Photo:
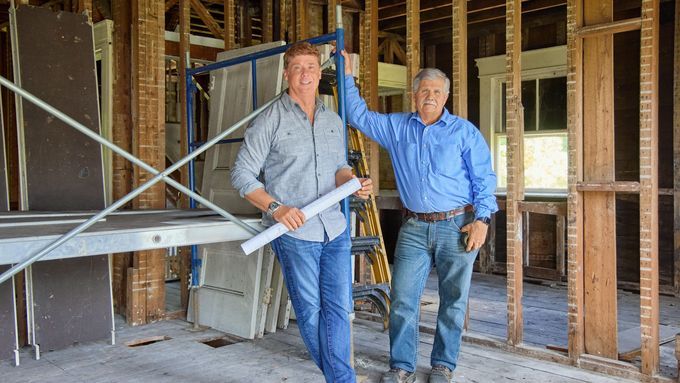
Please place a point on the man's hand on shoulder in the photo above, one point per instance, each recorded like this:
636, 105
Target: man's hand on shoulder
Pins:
291, 217
366, 188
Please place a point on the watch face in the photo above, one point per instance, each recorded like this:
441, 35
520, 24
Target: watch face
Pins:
486, 220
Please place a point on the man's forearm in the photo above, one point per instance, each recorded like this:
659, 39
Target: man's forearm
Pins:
342, 176
260, 199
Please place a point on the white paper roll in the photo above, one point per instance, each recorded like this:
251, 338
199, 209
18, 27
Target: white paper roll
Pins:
314, 208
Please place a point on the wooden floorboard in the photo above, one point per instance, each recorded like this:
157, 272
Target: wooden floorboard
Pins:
281, 356
278, 357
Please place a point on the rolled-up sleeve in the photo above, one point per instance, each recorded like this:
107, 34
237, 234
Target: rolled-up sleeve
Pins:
482, 177
252, 156
373, 124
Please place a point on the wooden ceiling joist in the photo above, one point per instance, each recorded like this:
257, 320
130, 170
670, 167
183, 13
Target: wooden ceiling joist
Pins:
207, 18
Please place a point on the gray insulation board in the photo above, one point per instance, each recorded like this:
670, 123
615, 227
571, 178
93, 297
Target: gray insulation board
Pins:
56, 59
4, 192
64, 171
7, 318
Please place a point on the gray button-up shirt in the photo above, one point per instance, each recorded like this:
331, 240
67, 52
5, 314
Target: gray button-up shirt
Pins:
298, 162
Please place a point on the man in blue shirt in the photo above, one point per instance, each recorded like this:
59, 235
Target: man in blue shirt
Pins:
445, 180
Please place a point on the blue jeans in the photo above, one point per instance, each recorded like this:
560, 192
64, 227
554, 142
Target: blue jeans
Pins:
318, 276
421, 244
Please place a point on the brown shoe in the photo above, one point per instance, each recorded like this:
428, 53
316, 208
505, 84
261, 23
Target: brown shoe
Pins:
440, 374
397, 375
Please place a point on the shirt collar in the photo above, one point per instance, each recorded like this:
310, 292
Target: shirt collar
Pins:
289, 103
445, 119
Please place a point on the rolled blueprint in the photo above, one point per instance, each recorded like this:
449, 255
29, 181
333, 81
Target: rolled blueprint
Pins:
314, 208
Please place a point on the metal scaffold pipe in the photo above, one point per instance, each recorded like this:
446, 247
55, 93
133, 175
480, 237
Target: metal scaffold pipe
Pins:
157, 175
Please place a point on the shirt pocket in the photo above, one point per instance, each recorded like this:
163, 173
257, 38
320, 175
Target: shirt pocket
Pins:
291, 138
334, 140
448, 159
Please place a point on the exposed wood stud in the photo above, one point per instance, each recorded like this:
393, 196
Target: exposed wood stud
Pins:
600, 206
649, 185
121, 136
575, 278
560, 225
459, 53
515, 169
229, 24
267, 21
369, 81
148, 116
676, 152
331, 15
184, 53
412, 49
207, 18
301, 19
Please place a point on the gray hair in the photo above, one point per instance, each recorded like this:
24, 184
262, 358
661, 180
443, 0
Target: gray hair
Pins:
431, 74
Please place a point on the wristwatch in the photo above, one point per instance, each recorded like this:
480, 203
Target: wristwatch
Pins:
273, 207
486, 220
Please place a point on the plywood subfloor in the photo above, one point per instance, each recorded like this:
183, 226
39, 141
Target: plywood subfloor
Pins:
278, 357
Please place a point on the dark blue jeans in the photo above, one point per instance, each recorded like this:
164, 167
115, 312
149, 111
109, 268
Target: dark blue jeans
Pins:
318, 276
421, 244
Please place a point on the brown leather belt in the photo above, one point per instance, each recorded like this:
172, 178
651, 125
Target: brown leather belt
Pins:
439, 216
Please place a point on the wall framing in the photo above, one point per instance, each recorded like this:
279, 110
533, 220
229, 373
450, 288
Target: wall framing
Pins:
515, 163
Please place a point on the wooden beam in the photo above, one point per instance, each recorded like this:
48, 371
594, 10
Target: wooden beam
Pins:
301, 20
515, 171
369, 81
207, 18
400, 10
560, 226
245, 30
331, 4
267, 21
598, 159
229, 25
618, 26
184, 55
148, 118
676, 152
543, 207
649, 186
498, 13
630, 187
121, 135
412, 49
459, 73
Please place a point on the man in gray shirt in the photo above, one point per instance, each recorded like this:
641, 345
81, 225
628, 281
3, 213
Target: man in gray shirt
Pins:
298, 145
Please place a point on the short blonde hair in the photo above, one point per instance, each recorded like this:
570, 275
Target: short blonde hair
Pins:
300, 49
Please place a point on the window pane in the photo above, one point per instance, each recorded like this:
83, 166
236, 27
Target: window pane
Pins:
529, 103
545, 162
553, 100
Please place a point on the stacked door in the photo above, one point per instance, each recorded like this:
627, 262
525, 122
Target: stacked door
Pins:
235, 293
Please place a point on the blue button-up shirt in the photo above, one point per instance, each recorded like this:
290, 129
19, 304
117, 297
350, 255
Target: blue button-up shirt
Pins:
298, 162
439, 167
